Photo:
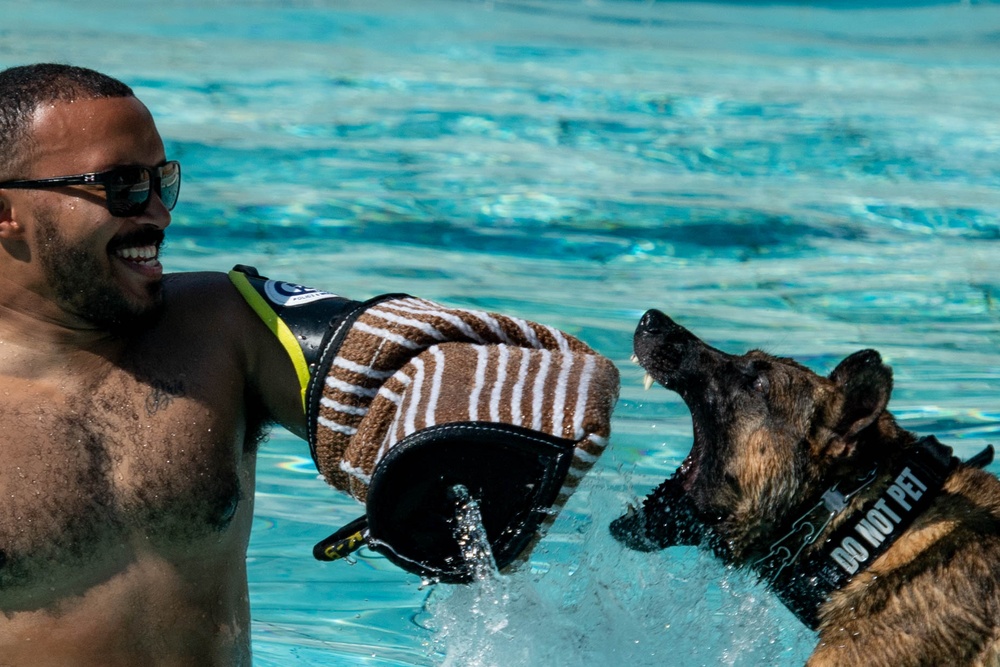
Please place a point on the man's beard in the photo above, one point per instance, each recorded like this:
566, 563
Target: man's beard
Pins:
84, 285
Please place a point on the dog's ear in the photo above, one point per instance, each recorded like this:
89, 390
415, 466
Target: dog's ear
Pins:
866, 384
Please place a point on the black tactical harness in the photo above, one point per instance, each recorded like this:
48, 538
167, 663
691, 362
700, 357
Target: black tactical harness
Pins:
804, 583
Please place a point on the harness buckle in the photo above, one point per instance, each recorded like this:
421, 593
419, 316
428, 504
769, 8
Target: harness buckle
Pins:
834, 500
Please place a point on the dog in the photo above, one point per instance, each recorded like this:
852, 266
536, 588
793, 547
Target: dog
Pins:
881, 541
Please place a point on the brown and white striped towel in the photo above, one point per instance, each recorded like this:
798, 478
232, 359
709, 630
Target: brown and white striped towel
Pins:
407, 364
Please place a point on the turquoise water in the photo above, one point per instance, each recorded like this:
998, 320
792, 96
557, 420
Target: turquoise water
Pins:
800, 178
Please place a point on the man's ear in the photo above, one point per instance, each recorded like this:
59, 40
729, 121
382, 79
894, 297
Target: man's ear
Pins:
866, 384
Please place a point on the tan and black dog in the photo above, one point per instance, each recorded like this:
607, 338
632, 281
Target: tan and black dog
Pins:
883, 542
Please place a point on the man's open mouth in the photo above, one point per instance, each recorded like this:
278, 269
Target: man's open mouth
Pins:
146, 254
139, 249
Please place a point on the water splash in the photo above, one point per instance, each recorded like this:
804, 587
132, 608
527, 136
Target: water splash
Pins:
473, 543
477, 619
582, 599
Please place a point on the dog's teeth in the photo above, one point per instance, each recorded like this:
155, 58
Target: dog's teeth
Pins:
635, 358
647, 381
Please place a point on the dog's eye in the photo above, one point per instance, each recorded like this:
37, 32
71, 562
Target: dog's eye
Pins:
756, 375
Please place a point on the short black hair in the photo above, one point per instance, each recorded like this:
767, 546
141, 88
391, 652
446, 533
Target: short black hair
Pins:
25, 88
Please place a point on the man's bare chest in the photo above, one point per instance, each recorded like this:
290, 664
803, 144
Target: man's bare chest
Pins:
89, 471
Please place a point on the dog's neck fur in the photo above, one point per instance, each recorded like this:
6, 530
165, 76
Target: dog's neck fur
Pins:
851, 523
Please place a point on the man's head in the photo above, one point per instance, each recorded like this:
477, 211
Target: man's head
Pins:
24, 89
63, 243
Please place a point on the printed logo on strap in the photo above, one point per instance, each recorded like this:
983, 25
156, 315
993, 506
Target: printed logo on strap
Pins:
289, 294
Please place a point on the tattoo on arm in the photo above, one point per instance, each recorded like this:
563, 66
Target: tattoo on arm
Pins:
161, 394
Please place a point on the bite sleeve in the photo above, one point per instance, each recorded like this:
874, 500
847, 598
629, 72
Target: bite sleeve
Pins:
406, 400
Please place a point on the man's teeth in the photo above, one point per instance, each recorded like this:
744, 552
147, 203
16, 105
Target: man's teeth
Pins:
137, 253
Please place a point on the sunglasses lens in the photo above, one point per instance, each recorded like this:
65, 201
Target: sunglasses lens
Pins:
129, 188
170, 184
128, 191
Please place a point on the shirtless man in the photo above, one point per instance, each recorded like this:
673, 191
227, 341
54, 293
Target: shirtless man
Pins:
131, 402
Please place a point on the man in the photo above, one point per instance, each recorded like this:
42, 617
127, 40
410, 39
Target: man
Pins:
131, 403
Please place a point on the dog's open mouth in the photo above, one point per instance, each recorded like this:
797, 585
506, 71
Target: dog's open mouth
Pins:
668, 515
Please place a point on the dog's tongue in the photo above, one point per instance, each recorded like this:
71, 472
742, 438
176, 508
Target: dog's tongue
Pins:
667, 518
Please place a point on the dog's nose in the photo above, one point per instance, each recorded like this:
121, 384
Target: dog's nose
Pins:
654, 322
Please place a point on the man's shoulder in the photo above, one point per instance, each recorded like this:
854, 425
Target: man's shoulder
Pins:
203, 316
206, 312
203, 298
205, 283
199, 290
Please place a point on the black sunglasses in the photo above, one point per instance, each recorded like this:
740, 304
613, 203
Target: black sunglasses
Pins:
127, 189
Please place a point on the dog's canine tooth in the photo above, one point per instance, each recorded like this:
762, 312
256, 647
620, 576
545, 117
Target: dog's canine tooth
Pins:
634, 358
647, 381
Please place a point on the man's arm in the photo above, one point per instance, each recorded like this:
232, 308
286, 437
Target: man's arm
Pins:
210, 304
271, 375
407, 400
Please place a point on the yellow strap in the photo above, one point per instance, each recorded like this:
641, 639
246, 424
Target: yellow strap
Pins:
344, 547
277, 327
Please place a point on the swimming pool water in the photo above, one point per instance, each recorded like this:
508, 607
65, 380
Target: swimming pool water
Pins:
807, 179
